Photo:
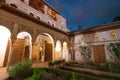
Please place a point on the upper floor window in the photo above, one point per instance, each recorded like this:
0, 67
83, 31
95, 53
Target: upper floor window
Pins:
38, 18
37, 4
13, 5
96, 37
22, 0
53, 24
51, 13
82, 38
49, 22
114, 35
31, 14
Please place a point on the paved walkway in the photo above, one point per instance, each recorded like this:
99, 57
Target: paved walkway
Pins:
93, 71
40, 64
3, 73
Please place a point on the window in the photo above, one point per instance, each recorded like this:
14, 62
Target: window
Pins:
82, 38
13, 5
53, 25
51, 13
22, 0
113, 35
96, 37
38, 18
49, 22
31, 14
37, 4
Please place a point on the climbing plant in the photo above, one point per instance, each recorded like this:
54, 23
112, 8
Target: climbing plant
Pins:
85, 52
114, 49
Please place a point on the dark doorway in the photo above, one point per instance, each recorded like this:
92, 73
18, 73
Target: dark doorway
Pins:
48, 52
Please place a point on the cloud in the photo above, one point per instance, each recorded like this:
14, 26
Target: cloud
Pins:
87, 13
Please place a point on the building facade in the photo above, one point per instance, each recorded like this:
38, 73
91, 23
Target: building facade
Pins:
33, 29
94, 43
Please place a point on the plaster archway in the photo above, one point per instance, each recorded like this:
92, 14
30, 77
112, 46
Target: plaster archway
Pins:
5, 45
43, 48
27, 43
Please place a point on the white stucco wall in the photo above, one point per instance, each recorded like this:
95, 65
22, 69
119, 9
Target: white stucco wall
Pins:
103, 38
60, 23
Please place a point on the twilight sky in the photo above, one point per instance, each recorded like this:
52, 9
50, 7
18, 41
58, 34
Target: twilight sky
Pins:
86, 13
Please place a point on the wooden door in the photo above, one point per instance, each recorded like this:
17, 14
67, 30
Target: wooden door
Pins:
26, 52
48, 52
99, 53
17, 51
7, 54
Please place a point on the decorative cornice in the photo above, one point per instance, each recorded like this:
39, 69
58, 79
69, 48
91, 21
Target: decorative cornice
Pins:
19, 13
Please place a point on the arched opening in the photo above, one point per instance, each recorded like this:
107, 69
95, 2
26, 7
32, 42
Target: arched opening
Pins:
26, 52
4, 46
65, 53
31, 14
38, 18
58, 50
43, 49
22, 47
13, 5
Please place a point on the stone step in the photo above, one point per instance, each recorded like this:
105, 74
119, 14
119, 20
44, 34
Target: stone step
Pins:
40, 64
3, 73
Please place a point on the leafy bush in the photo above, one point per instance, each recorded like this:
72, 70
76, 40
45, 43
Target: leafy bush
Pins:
73, 76
56, 63
21, 70
40, 74
69, 75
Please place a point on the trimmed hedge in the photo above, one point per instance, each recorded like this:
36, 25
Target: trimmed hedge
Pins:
68, 75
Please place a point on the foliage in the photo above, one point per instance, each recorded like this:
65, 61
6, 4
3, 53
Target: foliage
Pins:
85, 52
114, 50
21, 70
40, 74
117, 18
109, 67
73, 76
69, 75
58, 63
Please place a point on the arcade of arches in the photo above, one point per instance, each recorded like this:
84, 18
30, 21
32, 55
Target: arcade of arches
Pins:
44, 48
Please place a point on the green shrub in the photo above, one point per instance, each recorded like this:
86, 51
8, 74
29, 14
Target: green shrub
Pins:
73, 76
20, 70
56, 63
68, 75
41, 74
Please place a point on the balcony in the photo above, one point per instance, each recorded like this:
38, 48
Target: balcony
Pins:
38, 5
52, 13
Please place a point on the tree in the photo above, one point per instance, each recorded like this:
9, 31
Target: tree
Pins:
117, 18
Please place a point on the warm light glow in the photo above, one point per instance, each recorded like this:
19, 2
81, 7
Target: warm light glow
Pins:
28, 40
22, 35
64, 45
58, 50
4, 36
64, 54
58, 46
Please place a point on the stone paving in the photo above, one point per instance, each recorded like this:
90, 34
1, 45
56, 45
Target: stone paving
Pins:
96, 72
3, 73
